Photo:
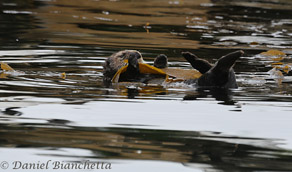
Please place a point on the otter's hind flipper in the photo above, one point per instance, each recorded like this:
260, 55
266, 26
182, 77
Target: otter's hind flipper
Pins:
222, 74
161, 61
225, 63
200, 64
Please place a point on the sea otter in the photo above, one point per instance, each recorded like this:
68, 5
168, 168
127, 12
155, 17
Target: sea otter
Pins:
132, 59
220, 74
118, 60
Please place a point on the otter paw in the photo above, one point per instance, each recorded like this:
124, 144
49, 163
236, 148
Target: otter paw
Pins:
161, 61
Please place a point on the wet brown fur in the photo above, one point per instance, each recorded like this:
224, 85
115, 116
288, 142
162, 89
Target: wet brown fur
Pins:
115, 62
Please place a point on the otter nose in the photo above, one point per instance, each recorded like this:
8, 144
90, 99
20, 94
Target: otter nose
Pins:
138, 55
133, 60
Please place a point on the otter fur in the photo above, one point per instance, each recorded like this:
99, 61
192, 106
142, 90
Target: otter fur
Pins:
117, 60
220, 74
131, 58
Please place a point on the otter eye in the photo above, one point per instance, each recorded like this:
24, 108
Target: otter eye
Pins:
131, 55
123, 56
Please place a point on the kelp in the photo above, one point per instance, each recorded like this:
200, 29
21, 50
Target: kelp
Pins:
170, 74
6, 67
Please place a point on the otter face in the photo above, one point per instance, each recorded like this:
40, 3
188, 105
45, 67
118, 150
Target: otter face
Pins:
118, 60
121, 56
132, 73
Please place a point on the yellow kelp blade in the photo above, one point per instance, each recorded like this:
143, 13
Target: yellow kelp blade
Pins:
6, 67
63, 75
144, 68
286, 69
182, 74
3, 75
171, 74
148, 69
117, 75
273, 53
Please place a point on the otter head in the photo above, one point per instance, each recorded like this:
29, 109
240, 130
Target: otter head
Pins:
122, 57
118, 60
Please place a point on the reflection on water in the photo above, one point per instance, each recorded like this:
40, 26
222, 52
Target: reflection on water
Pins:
215, 150
43, 39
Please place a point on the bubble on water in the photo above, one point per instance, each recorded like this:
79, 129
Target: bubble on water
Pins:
197, 18
103, 18
260, 39
9, 4
206, 35
225, 31
207, 4
17, 12
76, 91
177, 85
197, 27
255, 81
105, 12
219, 17
278, 34
174, 2
281, 22
211, 22
225, 43
11, 73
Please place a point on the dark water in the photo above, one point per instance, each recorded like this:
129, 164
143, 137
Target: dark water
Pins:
162, 128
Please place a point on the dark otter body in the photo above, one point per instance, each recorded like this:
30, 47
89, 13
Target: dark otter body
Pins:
132, 74
220, 74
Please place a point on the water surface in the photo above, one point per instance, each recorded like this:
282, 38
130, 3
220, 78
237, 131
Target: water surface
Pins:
167, 128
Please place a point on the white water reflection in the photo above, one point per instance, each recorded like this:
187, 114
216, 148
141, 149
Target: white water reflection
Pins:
65, 155
257, 39
249, 119
29, 52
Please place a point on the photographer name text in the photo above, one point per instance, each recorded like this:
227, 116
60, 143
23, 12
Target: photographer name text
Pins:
59, 165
